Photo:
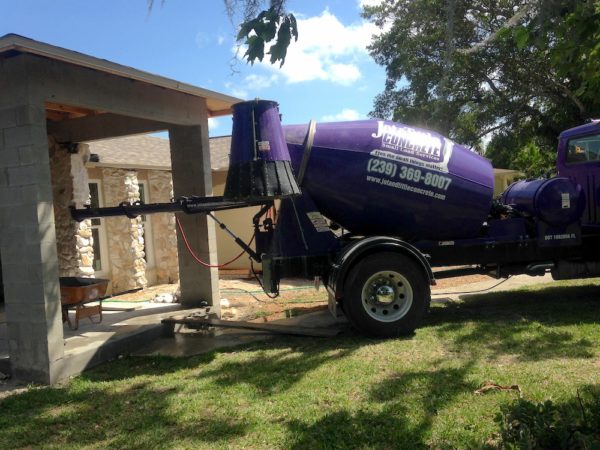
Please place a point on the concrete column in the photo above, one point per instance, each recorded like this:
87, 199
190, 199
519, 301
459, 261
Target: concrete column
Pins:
190, 161
28, 239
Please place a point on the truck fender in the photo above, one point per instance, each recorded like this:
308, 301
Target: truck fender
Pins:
353, 253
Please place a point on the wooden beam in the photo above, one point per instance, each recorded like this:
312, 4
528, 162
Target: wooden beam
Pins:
71, 111
56, 116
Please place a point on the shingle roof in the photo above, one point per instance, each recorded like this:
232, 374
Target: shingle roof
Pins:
150, 152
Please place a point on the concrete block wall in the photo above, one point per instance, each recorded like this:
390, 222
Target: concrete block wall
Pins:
28, 240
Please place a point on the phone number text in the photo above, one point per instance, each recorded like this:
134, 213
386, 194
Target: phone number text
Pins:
402, 172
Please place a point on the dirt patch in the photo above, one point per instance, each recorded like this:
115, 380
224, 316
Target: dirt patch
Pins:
244, 299
451, 283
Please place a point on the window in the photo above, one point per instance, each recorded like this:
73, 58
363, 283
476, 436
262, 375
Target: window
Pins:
585, 149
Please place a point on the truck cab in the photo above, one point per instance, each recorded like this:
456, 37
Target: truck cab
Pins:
578, 158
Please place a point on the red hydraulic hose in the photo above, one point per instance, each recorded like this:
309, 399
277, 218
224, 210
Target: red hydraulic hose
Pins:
198, 260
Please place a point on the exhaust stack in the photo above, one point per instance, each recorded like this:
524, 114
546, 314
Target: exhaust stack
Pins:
259, 165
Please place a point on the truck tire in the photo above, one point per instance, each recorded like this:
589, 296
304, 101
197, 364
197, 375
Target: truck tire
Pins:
386, 295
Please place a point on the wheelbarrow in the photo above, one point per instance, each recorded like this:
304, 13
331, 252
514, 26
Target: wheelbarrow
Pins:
76, 293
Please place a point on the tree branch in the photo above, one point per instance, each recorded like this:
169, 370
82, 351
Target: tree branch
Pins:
493, 86
510, 23
494, 128
571, 96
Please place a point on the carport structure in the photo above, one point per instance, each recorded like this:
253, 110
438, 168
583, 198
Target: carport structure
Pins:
49, 91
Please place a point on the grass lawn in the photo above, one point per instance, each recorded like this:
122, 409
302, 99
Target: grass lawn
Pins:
347, 392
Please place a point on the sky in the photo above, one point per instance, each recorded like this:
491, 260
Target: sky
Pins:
328, 74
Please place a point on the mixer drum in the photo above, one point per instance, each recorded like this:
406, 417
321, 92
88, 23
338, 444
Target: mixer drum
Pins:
384, 178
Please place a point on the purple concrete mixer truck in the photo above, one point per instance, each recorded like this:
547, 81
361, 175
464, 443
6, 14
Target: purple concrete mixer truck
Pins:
370, 206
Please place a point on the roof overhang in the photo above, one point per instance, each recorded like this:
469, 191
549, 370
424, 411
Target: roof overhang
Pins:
218, 104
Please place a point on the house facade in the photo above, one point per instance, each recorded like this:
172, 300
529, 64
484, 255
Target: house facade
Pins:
504, 178
139, 252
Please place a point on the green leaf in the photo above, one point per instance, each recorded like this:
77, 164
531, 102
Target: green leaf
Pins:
278, 51
521, 35
267, 26
293, 26
256, 49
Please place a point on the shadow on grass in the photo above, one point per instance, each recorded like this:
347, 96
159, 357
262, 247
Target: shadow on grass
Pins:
122, 408
389, 428
127, 368
434, 389
397, 424
272, 374
269, 373
530, 325
132, 417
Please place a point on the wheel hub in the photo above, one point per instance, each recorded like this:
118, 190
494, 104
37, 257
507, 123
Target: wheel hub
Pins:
387, 296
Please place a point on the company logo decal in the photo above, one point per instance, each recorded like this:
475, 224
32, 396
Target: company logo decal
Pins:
411, 146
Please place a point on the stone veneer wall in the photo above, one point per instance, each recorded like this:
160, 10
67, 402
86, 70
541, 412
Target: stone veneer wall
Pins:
73, 240
163, 226
126, 240
125, 236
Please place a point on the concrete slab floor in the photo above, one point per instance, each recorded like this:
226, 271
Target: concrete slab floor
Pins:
115, 324
94, 343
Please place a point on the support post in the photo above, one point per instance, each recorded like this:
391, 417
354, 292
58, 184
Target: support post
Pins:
190, 161
28, 238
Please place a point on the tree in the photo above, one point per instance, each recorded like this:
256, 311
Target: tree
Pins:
518, 71
533, 161
260, 27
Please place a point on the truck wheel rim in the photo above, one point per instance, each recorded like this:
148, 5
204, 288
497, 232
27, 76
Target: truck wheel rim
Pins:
387, 296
